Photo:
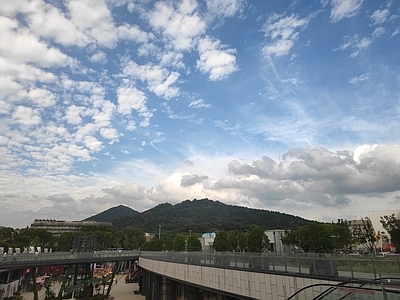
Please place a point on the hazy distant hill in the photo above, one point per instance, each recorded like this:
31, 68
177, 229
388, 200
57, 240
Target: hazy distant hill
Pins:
198, 216
114, 213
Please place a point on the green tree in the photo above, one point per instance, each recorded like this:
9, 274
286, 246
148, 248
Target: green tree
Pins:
221, 242
290, 238
315, 237
180, 242
134, 237
364, 233
22, 241
6, 237
169, 244
392, 225
342, 236
66, 241
257, 239
193, 242
237, 240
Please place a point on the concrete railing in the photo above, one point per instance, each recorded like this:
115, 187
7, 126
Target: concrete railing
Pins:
351, 267
54, 257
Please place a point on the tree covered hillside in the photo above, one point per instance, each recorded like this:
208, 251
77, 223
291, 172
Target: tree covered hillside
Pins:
113, 214
207, 216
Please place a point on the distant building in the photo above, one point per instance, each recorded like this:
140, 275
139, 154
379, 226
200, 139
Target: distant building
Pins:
375, 217
207, 241
275, 240
149, 237
384, 243
56, 228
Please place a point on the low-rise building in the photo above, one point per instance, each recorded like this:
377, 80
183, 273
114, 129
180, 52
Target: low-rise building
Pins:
56, 227
275, 240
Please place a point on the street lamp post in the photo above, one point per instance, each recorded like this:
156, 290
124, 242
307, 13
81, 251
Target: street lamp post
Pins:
159, 232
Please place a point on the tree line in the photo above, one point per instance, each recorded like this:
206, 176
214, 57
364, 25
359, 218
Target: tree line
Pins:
343, 236
315, 237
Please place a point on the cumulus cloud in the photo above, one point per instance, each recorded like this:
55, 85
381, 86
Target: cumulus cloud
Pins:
98, 57
355, 43
179, 24
94, 19
378, 32
199, 104
224, 8
26, 116
159, 80
304, 180
344, 9
282, 32
189, 180
216, 59
13, 46
110, 134
357, 79
130, 98
380, 16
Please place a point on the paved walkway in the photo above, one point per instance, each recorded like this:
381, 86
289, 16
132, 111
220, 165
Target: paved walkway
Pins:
120, 291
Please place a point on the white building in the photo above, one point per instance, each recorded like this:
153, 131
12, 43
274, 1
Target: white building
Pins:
375, 217
275, 240
207, 241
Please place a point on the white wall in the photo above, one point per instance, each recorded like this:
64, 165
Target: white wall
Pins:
375, 217
244, 283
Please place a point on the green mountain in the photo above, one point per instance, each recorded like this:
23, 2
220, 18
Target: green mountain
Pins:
114, 213
202, 216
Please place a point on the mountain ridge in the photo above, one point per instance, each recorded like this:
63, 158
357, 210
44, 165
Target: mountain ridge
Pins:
201, 215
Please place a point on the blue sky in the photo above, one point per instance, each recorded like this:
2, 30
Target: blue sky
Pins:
285, 106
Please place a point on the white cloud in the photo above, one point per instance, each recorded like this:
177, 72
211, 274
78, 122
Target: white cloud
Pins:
42, 97
344, 9
224, 8
130, 98
133, 33
199, 104
19, 46
73, 113
357, 79
98, 57
283, 32
380, 16
216, 59
378, 32
22, 72
355, 43
26, 116
159, 80
172, 59
48, 21
92, 143
94, 19
82, 154
110, 134
179, 25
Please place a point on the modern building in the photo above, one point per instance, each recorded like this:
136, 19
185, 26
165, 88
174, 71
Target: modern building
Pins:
375, 217
149, 237
207, 241
56, 227
384, 242
275, 240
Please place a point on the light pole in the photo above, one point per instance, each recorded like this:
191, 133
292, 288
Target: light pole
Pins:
159, 232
